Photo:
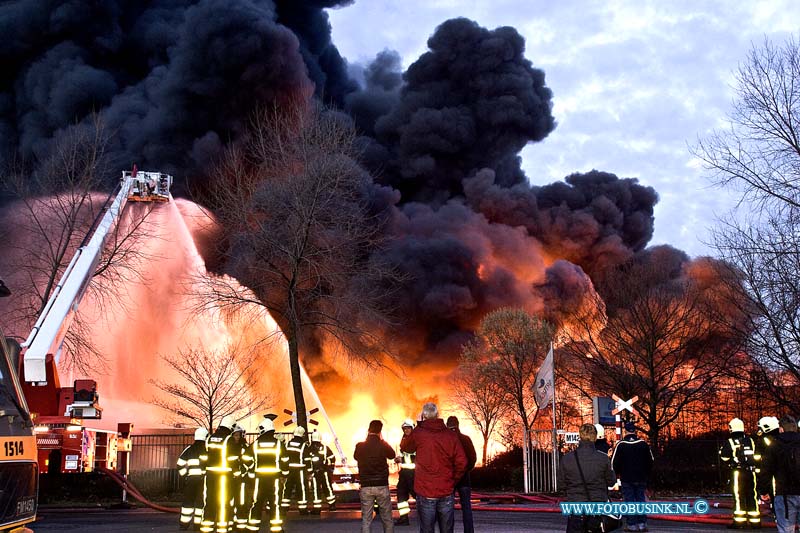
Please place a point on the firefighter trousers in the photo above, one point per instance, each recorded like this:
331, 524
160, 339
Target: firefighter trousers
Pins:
405, 488
296, 486
218, 515
192, 504
323, 489
242, 500
266, 493
745, 499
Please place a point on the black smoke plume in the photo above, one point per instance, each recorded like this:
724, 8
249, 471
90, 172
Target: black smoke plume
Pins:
175, 81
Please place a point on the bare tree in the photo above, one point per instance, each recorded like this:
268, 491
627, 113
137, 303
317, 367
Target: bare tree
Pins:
758, 260
299, 232
759, 154
474, 392
510, 345
57, 206
214, 384
656, 336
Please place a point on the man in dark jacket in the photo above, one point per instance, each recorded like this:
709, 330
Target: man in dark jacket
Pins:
464, 487
632, 462
597, 475
373, 470
441, 462
781, 462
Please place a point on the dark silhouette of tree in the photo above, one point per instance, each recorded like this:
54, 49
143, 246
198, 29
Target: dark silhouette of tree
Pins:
213, 384
510, 345
475, 392
55, 209
659, 332
299, 232
759, 155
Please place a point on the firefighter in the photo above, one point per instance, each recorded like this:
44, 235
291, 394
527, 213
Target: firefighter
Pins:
267, 451
191, 467
405, 480
322, 461
218, 514
296, 467
241, 462
768, 429
738, 453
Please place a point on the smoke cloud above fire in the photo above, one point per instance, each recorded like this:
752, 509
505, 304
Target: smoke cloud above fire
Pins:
175, 81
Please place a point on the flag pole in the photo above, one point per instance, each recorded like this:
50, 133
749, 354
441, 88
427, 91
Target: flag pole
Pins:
555, 429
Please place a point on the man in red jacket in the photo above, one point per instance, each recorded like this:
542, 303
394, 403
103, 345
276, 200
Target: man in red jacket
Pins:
441, 462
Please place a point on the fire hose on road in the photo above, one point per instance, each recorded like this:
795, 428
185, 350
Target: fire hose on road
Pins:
529, 498
131, 489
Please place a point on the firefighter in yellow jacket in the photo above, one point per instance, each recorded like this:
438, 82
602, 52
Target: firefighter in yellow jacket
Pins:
241, 463
768, 429
739, 454
323, 462
405, 480
191, 467
218, 514
267, 451
296, 467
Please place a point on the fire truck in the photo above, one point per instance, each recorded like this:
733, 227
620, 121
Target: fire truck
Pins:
41, 423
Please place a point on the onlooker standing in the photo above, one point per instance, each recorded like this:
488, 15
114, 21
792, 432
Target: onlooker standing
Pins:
464, 487
373, 470
441, 462
782, 462
632, 462
585, 473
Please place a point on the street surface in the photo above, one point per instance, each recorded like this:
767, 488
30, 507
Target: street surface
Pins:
147, 520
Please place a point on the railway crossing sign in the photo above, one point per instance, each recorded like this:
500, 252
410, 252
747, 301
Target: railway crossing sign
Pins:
293, 419
623, 405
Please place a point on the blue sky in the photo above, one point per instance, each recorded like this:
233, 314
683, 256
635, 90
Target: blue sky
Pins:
635, 83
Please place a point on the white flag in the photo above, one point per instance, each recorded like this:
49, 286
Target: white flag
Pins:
543, 387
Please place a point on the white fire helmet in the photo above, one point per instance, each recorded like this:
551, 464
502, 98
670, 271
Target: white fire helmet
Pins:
767, 424
408, 423
736, 425
299, 431
601, 431
316, 437
266, 425
238, 429
200, 434
227, 422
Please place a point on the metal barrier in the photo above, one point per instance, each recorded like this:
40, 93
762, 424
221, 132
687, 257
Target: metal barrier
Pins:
540, 459
153, 461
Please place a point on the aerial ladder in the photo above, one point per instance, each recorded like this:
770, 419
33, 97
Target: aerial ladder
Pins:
40, 351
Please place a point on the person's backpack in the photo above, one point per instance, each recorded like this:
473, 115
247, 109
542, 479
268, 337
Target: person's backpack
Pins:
791, 459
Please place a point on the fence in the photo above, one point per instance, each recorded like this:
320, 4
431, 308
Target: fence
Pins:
540, 459
153, 461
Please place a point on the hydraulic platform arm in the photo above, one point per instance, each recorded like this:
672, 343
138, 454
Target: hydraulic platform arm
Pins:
50, 329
